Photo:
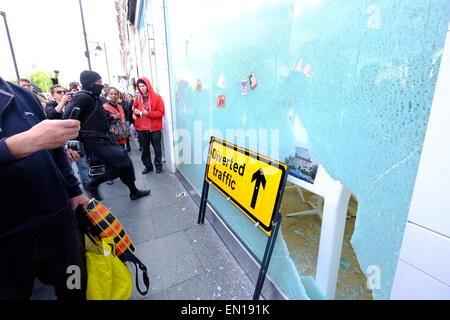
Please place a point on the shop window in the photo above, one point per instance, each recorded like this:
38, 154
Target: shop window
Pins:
351, 283
301, 226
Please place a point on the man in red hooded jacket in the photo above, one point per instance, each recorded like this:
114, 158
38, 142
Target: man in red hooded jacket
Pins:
148, 110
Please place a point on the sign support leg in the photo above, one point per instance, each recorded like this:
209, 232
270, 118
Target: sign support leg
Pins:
266, 260
203, 202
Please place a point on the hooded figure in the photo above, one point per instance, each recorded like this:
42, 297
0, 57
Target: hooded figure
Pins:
89, 80
148, 111
96, 139
149, 101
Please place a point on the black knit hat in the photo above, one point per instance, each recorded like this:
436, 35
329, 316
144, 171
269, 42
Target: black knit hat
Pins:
88, 78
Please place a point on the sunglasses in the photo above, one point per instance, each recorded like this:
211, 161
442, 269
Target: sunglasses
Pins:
60, 92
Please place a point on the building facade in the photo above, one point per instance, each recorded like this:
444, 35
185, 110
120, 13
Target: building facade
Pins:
363, 84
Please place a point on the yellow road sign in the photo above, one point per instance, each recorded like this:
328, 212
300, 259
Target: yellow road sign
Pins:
251, 181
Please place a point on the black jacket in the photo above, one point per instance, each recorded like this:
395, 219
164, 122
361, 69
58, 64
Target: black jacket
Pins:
50, 110
128, 109
35, 190
93, 120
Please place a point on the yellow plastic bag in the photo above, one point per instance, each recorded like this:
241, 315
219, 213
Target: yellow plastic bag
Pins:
108, 278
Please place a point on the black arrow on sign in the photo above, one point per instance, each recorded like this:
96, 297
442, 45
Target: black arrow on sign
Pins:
259, 177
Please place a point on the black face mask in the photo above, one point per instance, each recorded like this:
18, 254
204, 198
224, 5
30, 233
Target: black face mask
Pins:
97, 89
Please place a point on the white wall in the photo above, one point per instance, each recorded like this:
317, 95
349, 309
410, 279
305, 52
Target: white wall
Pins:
162, 74
155, 68
423, 270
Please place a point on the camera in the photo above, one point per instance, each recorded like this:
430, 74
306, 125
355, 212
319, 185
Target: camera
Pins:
76, 146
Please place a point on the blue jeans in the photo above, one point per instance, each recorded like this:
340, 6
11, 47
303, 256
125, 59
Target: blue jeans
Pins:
83, 170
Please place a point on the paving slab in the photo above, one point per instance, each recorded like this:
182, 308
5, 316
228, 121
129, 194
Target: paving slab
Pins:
121, 205
139, 227
208, 286
174, 217
170, 260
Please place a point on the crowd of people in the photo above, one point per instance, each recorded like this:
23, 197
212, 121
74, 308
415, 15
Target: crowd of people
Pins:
142, 112
38, 189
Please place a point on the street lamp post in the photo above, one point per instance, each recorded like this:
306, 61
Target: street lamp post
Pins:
10, 45
107, 64
98, 48
86, 53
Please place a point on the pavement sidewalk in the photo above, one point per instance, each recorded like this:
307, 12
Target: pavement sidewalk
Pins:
185, 261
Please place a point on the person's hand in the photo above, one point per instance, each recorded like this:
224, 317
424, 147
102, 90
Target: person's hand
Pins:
73, 155
82, 199
47, 134
136, 111
66, 99
116, 116
144, 112
51, 134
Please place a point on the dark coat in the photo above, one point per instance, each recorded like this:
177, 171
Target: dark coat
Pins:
93, 120
128, 108
50, 110
35, 190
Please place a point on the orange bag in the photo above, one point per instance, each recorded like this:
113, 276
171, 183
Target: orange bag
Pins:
103, 224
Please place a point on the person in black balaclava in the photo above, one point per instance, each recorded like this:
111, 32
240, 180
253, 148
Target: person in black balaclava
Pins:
97, 142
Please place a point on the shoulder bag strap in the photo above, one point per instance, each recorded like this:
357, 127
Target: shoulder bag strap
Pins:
96, 108
128, 256
91, 114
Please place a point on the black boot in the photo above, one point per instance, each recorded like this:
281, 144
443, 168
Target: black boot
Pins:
139, 194
147, 170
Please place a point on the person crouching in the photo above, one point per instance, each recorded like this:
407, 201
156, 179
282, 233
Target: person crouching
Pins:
98, 143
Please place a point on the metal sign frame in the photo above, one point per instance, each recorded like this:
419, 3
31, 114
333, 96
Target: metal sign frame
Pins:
276, 164
276, 215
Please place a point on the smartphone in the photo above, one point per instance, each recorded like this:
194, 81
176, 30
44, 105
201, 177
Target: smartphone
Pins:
75, 113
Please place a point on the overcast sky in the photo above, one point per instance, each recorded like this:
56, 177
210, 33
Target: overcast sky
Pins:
48, 35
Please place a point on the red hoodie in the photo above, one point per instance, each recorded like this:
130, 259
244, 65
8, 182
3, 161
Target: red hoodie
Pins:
154, 106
